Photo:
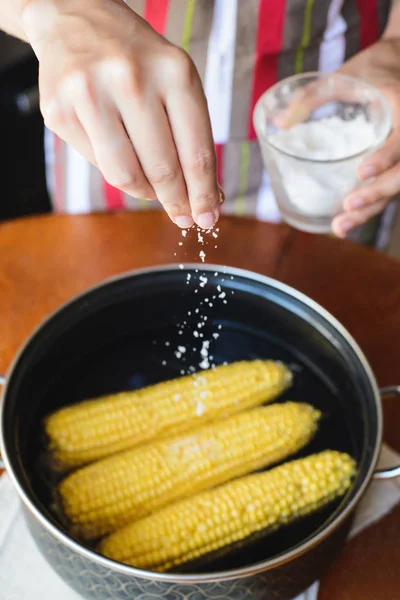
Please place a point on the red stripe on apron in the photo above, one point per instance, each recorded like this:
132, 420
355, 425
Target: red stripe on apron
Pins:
155, 13
59, 174
369, 22
114, 197
271, 18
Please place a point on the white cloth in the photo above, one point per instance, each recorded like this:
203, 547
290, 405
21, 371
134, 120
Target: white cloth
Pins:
25, 575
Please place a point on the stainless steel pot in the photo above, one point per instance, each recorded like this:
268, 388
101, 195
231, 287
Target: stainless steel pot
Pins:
113, 337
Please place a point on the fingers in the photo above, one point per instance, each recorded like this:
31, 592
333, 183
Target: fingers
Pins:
381, 160
385, 186
152, 138
342, 224
366, 202
147, 128
190, 124
60, 117
111, 145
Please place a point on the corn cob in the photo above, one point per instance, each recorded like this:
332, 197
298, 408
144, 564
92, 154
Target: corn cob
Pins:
110, 493
226, 515
96, 428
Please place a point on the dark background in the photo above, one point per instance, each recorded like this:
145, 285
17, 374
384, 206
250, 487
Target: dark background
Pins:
22, 173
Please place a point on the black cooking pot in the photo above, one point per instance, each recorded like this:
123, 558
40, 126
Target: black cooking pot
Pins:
114, 337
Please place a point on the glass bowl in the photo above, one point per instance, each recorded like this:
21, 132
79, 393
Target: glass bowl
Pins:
314, 130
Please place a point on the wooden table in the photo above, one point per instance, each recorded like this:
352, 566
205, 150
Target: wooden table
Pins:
44, 261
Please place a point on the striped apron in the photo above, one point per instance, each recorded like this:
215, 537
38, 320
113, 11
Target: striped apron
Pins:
240, 48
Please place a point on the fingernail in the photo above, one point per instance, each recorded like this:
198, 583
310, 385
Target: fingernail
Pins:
346, 225
356, 203
184, 221
221, 196
207, 220
367, 172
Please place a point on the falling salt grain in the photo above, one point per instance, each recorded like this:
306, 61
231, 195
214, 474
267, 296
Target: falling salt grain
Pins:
222, 295
184, 232
182, 349
215, 336
204, 349
203, 280
215, 234
196, 333
202, 255
164, 362
167, 343
219, 288
181, 266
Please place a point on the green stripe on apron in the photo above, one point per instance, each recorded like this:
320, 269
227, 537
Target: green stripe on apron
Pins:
243, 179
187, 28
305, 38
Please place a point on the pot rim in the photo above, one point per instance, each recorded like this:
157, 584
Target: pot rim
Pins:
221, 575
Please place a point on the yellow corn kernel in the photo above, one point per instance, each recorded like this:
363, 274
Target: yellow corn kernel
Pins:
111, 492
96, 428
213, 520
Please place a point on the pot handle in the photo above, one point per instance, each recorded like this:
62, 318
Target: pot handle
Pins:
390, 472
2, 382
